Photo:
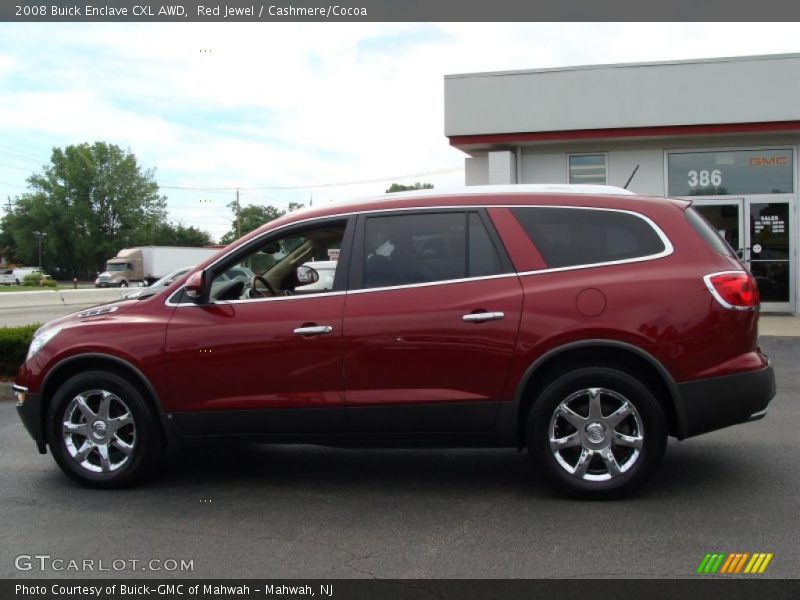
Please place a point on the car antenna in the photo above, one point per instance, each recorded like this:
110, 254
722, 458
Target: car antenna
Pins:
631, 177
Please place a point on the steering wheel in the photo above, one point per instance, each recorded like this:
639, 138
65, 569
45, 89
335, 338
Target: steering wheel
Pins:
262, 279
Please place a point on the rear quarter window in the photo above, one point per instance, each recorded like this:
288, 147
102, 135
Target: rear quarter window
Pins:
706, 231
568, 237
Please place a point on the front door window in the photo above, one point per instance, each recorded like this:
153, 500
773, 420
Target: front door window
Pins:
271, 268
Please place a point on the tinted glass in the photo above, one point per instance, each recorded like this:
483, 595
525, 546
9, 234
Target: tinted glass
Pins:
726, 222
483, 258
406, 249
770, 251
567, 237
587, 168
730, 172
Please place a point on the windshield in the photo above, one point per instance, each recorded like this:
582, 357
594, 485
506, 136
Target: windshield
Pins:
116, 266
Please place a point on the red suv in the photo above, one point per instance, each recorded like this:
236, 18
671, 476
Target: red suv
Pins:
585, 323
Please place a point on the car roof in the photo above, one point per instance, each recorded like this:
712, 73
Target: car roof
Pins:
576, 195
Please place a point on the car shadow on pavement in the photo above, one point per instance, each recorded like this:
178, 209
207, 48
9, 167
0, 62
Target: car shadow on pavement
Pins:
687, 468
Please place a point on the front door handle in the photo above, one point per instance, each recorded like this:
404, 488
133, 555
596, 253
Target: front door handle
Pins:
313, 330
483, 316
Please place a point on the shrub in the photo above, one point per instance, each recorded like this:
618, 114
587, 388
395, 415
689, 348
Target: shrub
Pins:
36, 280
14, 342
32, 279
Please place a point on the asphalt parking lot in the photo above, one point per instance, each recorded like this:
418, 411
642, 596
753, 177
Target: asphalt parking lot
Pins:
308, 512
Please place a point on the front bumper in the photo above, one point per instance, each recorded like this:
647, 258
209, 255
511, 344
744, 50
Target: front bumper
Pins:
30, 411
709, 404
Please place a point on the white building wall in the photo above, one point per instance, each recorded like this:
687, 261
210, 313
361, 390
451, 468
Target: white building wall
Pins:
502, 168
544, 168
476, 170
649, 179
694, 92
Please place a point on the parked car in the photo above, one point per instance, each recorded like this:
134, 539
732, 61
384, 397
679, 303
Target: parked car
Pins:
21, 272
157, 286
583, 323
7, 277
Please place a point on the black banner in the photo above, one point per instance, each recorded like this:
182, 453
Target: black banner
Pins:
398, 10
404, 589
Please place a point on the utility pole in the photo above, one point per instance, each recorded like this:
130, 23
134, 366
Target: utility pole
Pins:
238, 216
40, 235
9, 205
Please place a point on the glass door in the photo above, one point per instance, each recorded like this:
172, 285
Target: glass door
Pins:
727, 217
769, 252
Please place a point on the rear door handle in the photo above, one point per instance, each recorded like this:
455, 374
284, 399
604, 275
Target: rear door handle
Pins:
483, 316
313, 330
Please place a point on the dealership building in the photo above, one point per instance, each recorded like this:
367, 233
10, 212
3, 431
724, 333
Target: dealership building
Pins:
721, 132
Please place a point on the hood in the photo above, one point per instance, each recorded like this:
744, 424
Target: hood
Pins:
109, 310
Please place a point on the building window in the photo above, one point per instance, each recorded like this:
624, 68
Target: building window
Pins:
587, 168
722, 173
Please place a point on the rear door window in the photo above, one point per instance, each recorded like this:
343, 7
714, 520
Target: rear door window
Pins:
568, 237
427, 247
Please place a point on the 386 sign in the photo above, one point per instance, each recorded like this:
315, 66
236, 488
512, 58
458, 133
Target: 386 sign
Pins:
704, 178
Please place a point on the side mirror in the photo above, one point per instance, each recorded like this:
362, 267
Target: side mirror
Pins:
195, 285
306, 275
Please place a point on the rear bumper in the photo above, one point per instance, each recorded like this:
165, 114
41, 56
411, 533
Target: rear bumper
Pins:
31, 415
709, 404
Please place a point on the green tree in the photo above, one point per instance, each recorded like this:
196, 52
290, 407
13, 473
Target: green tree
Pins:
172, 234
91, 200
251, 218
399, 187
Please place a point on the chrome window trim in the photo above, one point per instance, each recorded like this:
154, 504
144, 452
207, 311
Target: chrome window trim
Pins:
431, 283
668, 250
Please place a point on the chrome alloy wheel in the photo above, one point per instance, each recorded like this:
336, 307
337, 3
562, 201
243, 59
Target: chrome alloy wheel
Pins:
596, 434
98, 431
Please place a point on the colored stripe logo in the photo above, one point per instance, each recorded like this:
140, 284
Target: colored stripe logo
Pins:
735, 563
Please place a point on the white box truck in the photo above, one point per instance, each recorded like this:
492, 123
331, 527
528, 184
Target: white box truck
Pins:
149, 263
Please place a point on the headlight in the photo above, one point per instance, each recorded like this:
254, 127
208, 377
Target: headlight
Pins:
40, 339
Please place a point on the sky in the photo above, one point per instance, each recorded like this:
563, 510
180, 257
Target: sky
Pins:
291, 112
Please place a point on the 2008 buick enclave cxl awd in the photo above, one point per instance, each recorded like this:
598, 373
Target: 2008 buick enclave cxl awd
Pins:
582, 322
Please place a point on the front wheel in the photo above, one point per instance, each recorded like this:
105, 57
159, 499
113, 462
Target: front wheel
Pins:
101, 431
597, 433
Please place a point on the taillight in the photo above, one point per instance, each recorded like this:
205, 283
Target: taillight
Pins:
736, 290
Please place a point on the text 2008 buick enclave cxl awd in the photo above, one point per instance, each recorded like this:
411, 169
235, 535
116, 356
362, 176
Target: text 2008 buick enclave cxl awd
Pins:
584, 323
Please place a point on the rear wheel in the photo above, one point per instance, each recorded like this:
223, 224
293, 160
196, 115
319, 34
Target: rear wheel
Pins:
101, 431
597, 432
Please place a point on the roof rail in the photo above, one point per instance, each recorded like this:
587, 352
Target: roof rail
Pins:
517, 188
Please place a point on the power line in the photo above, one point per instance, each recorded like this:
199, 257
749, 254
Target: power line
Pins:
23, 153
308, 187
27, 170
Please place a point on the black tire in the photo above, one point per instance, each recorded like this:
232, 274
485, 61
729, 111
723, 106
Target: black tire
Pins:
124, 284
144, 432
647, 421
